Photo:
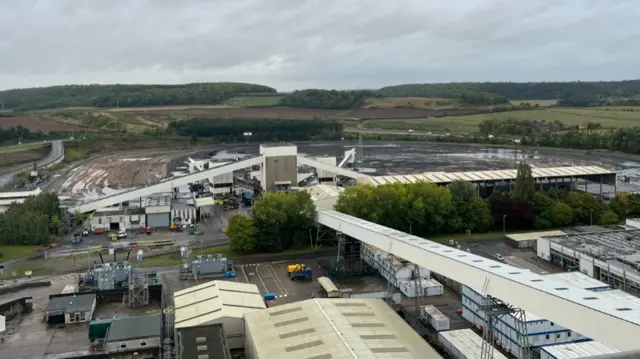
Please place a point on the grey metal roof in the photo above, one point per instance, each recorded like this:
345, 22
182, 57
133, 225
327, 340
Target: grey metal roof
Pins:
72, 303
130, 328
207, 339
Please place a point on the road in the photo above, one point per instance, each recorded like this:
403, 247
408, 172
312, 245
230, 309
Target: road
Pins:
57, 151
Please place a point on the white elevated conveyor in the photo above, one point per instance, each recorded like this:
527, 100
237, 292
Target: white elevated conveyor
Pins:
306, 161
609, 321
165, 186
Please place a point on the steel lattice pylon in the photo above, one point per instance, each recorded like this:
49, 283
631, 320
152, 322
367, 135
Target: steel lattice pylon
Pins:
495, 309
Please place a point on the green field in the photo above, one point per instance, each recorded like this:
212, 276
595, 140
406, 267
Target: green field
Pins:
254, 101
608, 117
22, 147
13, 252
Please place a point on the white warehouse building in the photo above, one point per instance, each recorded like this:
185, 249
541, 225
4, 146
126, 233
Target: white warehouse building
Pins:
338, 328
609, 256
217, 302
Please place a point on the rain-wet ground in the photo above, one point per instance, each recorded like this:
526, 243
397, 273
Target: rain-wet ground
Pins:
389, 158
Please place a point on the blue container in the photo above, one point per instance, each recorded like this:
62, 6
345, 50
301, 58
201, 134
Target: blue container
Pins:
269, 296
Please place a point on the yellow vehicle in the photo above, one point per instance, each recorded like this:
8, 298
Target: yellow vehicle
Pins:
295, 268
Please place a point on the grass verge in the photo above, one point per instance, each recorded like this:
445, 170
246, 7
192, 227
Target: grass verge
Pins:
174, 258
23, 147
13, 252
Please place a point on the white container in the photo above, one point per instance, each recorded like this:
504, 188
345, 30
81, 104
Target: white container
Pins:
575, 350
464, 344
433, 287
433, 316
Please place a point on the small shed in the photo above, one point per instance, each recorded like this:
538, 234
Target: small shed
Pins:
71, 309
529, 239
135, 334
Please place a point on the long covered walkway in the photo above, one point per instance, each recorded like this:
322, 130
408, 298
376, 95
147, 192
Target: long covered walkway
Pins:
612, 322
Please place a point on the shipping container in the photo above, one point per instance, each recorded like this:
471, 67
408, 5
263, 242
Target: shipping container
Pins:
434, 317
575, 350
464, 344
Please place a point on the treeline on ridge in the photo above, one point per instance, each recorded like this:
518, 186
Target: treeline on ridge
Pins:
326, 99
126, 95
518, 90
233, 130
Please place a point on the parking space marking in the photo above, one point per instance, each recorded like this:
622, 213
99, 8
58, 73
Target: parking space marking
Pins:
261, 280
279, 283
245, 274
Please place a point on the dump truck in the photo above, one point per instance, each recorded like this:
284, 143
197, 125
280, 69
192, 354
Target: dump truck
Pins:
294, 267
301, 272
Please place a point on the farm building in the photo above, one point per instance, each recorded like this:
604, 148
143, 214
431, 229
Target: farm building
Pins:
332, 328
71, 309
217, 302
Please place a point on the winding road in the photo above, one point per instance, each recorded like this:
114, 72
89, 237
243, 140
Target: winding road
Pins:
57, 151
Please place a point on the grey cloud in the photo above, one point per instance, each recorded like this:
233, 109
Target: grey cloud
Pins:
311, 43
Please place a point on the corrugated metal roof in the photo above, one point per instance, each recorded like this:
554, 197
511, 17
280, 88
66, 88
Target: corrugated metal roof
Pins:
20, 194
578, 350
579, 279
468, 343
209, 301
473, 176
72, 303
335, 328
135, 328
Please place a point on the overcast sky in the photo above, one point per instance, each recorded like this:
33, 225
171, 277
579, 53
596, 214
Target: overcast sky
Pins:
295, 44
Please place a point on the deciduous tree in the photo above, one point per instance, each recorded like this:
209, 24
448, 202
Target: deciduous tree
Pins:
242, 234
525, 185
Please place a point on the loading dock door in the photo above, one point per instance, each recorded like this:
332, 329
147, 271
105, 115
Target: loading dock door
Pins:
158, 220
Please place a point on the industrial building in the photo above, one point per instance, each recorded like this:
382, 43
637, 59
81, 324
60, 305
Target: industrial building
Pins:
549, 298
216, 302
529, 240
464, 344
327, 177
115, 219
609, 256
574, 177
332, 328
141, 335
157, 209
7, 198
510, 327
576, 350
70, 309
279, 168
540, 332
206, 341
